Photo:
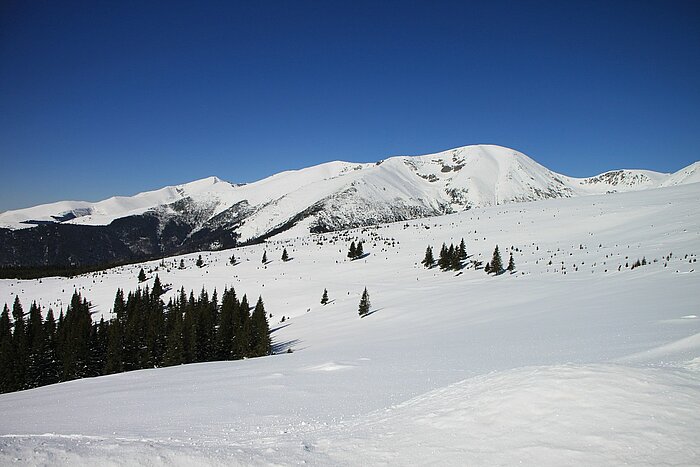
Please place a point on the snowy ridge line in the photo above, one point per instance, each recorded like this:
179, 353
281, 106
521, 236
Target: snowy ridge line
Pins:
416, 186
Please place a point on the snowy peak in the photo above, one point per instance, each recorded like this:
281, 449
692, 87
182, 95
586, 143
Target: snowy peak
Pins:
211, 213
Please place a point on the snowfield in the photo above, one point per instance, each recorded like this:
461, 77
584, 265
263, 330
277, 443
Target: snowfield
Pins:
575, 359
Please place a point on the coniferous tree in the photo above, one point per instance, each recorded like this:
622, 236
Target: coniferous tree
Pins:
487, 267
19, 344
444, 260
157, 290
224, 333
352, 252
359, 250
496, 262
428, 260
35, 346
511, 263
455, 262
200, 261
241, 329
49, 371
232, 260
182, 263
260, 343
264, 257
142, 275
285, 256
324, 298
462, 251
364, 303
7, 360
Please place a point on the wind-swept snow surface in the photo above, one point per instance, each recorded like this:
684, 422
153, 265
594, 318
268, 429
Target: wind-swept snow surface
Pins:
574, 359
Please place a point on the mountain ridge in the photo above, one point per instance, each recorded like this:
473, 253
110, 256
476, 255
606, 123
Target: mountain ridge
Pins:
211, 213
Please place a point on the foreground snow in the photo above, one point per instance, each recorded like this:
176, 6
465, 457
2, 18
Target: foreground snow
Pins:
592, 367
547, 415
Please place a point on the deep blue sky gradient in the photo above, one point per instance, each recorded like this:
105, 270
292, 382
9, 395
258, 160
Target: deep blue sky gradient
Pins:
99, 98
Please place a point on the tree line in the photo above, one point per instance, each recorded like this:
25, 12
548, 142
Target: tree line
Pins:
144, 333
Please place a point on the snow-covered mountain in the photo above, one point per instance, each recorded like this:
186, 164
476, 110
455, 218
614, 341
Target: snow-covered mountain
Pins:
211, 213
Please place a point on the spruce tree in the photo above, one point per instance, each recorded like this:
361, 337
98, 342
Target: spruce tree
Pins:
496, 262
487, 267
324, 298
364, 303
7, 360
260, 343
352, 252
142, 276
444, 260
359, 250
428, 260
200, 261
511, 263
462, 251
232, 260
285, 256
19, 343
264, 257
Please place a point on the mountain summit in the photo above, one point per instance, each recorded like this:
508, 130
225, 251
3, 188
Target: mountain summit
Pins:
213, 214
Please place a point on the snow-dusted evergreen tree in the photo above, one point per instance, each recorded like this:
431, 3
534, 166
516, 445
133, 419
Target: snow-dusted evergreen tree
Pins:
444, 259
511, 263
496, 262
285, 256
352, 252
199, 262
462, 251
324, 298
142, 275
364, 303
260, 343
359, 251
428, 260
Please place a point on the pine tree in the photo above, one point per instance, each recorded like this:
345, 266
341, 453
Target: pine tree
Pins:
462, 251
19, 343
444, 260
429, 260
496, 262
359, 251
200, 261
157, 288
142, 276
511, 263
260, 343
487, 267
241, 329
224, 333
35, 346
455, 262
264, 258
285, 256
364, 303
182, 263
324, 298
7, 360
232, 260
352, 252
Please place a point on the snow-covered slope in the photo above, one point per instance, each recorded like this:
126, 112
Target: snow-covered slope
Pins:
576, 359
339, 195
211, 214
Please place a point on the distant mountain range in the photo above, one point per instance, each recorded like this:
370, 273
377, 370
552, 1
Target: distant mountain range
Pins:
214, 214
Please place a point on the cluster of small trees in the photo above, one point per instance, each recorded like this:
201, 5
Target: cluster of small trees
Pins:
144, 333
355, 251
451, 258
496, 264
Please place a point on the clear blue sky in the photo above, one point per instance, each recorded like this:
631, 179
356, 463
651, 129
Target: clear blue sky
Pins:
101, 98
